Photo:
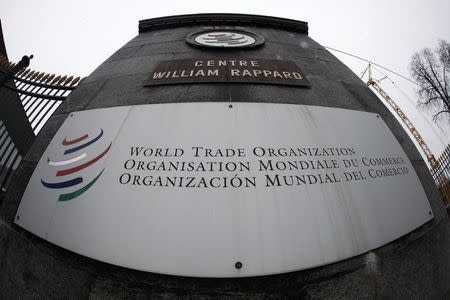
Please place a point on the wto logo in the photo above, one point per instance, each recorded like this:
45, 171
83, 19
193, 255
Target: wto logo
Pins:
74, 165
225, 37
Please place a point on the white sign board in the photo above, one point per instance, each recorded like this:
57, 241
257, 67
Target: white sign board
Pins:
221, 190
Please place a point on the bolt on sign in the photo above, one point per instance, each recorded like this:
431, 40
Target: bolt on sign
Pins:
266, 71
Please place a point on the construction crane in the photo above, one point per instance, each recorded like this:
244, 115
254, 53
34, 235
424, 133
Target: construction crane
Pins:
372, 82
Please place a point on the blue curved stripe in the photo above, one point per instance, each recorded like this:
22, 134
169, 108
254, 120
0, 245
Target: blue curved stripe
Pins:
71, 150
61, 185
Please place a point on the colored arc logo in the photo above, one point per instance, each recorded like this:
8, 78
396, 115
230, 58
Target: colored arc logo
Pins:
76, 145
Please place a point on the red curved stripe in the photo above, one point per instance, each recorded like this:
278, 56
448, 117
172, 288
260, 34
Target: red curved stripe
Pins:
82, 166
65, 142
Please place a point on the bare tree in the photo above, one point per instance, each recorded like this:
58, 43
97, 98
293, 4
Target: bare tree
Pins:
432, 72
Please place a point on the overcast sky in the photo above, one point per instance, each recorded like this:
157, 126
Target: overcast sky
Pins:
74, 37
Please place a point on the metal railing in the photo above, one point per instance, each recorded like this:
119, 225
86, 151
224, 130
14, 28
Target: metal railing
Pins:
10, 157
441, 174
40, 94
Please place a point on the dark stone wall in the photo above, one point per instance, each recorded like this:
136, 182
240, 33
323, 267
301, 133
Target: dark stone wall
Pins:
414, 266
2, 42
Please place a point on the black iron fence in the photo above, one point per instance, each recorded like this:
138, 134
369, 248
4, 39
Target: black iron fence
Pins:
41, 94
441, 174
9, 156
29, 97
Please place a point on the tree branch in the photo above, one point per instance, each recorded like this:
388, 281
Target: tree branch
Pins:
442, 111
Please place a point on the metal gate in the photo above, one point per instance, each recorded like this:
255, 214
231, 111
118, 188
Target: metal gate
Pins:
441, 174
28, 99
